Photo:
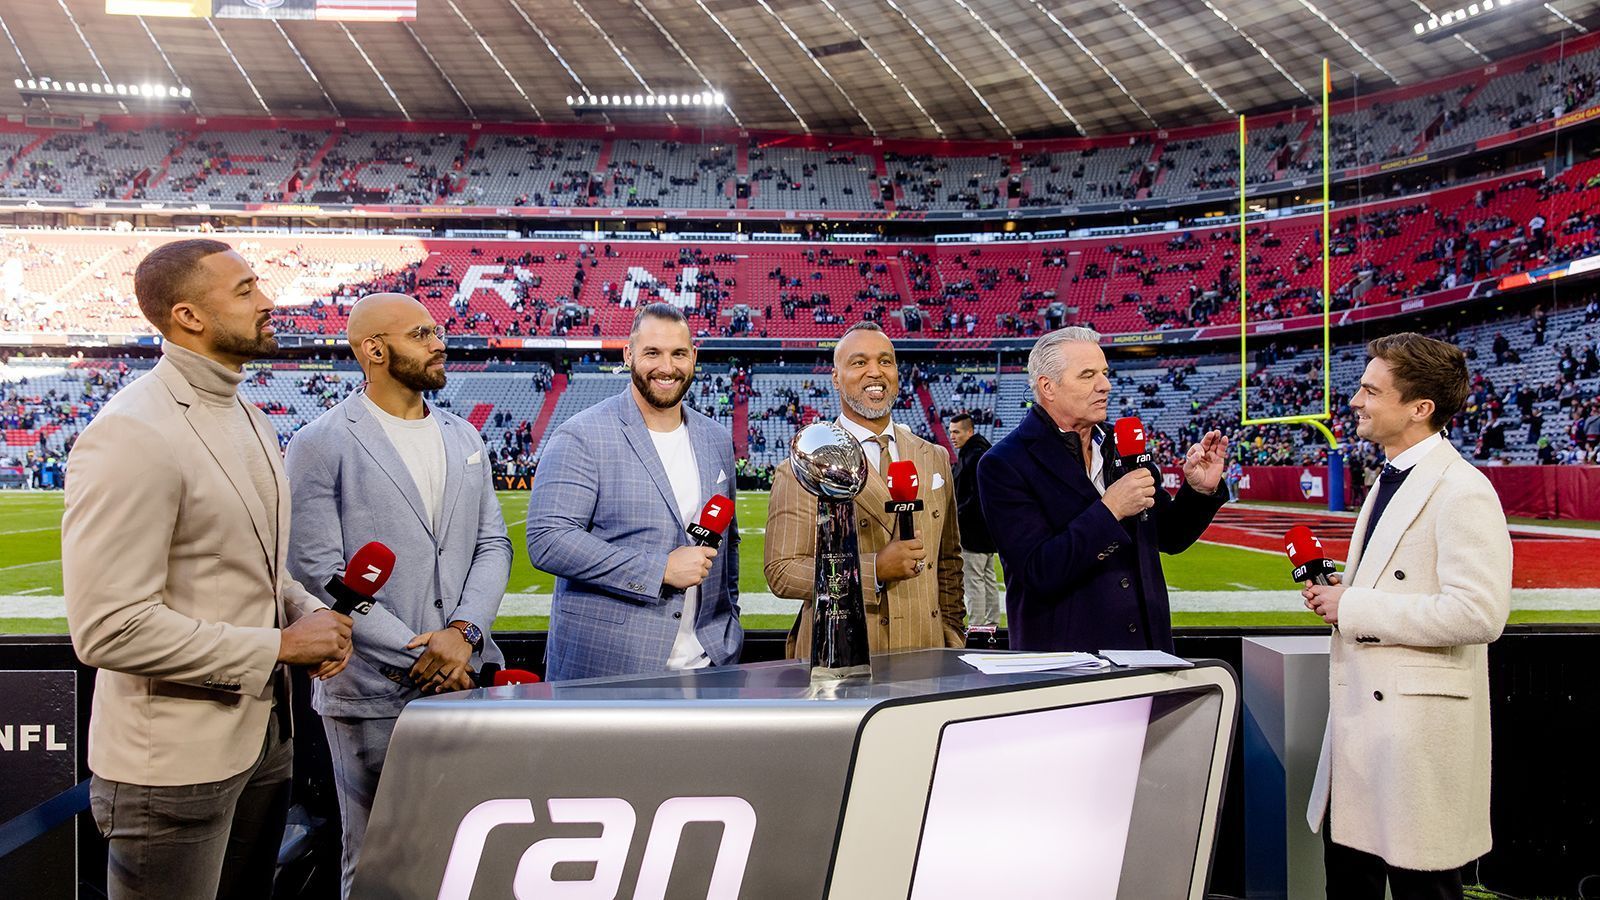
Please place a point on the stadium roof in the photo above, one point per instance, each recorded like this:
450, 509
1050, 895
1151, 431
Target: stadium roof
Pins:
901, 68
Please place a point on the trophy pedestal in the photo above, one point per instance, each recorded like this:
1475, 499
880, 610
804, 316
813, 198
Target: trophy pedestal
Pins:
838, 619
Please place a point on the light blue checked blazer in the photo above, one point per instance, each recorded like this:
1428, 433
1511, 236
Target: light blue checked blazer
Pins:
602, 519
349, 487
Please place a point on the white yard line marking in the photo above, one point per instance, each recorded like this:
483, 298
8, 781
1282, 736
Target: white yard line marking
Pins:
42, 562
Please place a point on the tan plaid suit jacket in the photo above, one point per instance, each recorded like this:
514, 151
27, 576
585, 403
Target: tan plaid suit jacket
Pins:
921, 612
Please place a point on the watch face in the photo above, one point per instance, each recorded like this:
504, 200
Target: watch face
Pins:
473, 633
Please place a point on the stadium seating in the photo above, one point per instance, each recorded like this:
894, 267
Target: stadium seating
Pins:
783, 177
457, 165
1385, 251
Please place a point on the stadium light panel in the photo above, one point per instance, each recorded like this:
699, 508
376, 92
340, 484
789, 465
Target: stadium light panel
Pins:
19, 83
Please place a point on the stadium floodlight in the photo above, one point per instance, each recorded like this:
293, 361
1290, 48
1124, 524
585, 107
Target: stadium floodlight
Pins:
33, 85
638, 99
187, 93
672, 99
19, 83
122, 90
719, 98
627, 99
94, 88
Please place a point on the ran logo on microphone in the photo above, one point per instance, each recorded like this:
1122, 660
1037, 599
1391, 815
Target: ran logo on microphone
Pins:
608, 852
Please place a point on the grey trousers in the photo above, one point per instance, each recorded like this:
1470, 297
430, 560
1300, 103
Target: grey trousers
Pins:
981, 589
358, 748
197, 841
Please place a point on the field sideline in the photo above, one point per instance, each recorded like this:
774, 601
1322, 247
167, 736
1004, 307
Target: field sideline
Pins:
1232, 582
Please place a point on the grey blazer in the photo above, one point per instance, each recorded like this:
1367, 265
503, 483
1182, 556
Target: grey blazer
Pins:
602, 519
349, 487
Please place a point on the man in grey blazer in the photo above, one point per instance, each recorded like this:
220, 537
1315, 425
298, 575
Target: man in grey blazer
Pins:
1402, 789
616, 487
386, 465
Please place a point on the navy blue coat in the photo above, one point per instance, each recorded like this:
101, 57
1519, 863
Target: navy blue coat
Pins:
1076, 578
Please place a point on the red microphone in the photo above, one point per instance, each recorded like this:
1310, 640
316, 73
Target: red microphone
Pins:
514, 676
1311, 563
714, 519
903, 484
367, 572
1130, 443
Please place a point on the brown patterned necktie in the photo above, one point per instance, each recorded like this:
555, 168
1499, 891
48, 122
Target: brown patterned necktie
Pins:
883, 453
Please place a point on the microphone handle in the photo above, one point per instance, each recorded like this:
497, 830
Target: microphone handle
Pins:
908, 528
704, 537
346, 599
1130, 463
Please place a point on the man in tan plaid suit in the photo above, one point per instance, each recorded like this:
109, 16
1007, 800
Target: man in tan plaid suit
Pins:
912, 589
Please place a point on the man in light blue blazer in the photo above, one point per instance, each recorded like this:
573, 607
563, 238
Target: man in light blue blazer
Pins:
386, 465
616, 487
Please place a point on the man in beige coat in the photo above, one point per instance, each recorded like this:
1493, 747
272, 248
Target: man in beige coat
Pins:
173, 554
912, 602
1402, 789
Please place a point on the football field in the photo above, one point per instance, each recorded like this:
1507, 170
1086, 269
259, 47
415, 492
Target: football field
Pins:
1237, 576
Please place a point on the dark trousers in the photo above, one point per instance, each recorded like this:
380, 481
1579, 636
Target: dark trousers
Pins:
197, 841
1358, 875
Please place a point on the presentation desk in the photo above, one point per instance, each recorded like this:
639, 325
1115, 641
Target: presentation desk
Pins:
928, 781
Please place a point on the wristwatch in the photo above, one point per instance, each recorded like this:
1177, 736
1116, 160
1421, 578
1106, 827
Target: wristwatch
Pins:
471, 632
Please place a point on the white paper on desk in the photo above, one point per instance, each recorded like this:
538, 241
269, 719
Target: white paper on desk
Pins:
1011, 663
1146, 659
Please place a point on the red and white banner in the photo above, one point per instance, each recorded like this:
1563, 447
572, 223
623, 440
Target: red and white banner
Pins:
367, 10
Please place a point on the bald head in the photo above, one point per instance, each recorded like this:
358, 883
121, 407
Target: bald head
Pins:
394, 338
383, 314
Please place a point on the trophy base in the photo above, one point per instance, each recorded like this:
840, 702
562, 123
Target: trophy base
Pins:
840, 673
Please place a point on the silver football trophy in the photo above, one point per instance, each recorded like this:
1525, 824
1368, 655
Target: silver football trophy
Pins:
829, 464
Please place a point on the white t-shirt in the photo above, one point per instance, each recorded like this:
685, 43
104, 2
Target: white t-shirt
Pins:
677, 458
421, 447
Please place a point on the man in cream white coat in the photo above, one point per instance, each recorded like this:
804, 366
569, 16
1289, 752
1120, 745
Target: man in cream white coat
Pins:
1402, 788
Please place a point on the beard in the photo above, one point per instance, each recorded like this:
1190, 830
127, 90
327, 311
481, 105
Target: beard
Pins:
415, 374
247, 346
660, 399
864, 408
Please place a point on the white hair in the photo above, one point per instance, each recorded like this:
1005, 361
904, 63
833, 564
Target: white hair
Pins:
1046, 359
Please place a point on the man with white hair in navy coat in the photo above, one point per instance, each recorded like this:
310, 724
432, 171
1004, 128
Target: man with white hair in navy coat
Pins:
1082, 565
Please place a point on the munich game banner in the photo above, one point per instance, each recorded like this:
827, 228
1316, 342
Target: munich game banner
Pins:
321, 10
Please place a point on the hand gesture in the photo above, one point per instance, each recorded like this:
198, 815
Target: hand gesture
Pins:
1205, 462
445, 657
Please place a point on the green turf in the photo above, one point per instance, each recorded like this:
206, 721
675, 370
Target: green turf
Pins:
30, 553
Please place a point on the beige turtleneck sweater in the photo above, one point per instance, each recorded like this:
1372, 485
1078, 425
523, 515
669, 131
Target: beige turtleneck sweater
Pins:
218, 389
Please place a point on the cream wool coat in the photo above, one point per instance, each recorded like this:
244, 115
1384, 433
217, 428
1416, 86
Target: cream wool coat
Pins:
1407, 775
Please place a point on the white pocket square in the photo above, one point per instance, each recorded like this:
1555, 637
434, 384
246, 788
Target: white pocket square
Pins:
721, 476
938, 482
475, 458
